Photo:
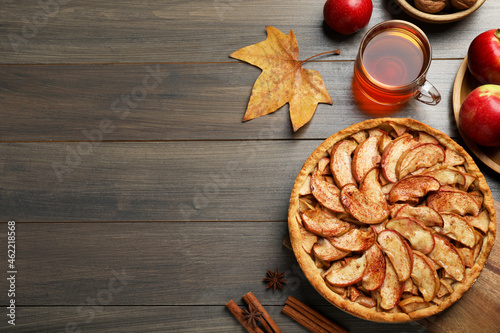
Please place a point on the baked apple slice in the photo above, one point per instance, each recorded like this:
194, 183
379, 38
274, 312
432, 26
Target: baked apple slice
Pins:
317, 222
391, 289
452, 158
308, 240
305, 189
359, 136
392, 153
326, 193
341, 162
419, 236
398, 128
446, 176
447, 256
425, 276
324, 166
420, 156
428, 216
457, 228
355, 240
370, 186
469, 254
366, 157
325, 251
398, 251
426, 138
374, 274
411, 189
413, 303
361, 207
454, 201
349, 274
480, 222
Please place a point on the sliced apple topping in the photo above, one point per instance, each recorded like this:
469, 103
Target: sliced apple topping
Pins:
324, 250
341, 162
481, 221
426, 138
447, 176
410, 287
447, 256
308, 240
451, 201
424, 276
306, 187
428, 216
359, 136
316, 221
349, 274
374, 274
324, 166
413, 303
398, 252
411, 189
355, 240
419, 236
392, 153
391, 289
371, 188
421, 156
452, 158
326, 193
469, 180
361, 207
366, 157
444, 288
457, 228
367, 302
399, 129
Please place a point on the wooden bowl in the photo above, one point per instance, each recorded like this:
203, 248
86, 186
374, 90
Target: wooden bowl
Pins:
463, 85
438, 17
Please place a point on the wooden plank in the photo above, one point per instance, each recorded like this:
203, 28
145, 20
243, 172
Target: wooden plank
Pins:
180, 102
188, 319
477, 311
153, 181
196, 31
173, 263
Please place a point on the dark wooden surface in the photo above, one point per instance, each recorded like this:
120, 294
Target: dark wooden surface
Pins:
169, 191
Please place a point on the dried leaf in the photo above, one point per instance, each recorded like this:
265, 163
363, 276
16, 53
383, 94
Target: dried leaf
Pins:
283, 80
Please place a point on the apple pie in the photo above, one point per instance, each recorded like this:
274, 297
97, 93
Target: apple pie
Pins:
391, 220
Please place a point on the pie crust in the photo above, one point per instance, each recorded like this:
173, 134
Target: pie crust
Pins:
412, 162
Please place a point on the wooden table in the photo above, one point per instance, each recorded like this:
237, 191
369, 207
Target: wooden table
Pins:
142, 202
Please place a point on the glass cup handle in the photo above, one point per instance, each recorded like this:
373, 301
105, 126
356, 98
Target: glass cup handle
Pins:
428, 94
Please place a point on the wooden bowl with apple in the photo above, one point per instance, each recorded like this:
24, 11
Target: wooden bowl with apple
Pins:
462, 87
476, 98
443, 16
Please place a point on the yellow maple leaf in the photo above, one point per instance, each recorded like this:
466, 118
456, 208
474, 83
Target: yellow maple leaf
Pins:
283, 80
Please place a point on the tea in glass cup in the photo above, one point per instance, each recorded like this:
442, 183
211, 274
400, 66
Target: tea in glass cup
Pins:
392, 62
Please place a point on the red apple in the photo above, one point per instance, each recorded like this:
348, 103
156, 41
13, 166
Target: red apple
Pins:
484, 57
479, 115
347, 16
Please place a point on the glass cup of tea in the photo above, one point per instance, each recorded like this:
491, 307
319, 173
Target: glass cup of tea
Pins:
392, 62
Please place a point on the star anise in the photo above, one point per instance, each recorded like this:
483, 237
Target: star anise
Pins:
252, 315
275, 280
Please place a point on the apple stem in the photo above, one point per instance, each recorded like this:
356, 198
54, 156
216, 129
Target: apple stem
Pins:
497, 33
317, 55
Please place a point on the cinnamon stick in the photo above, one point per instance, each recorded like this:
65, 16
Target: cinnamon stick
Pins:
270, 325
238, 314
310, 318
